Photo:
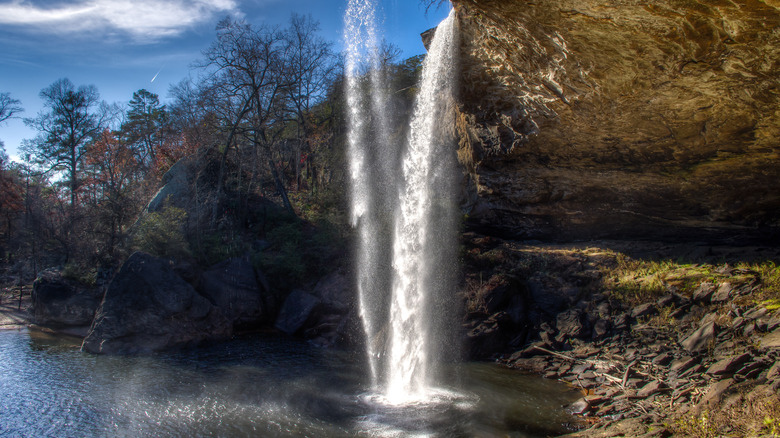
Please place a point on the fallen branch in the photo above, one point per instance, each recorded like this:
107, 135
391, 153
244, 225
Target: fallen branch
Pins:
625, 374
573, 359
544, 350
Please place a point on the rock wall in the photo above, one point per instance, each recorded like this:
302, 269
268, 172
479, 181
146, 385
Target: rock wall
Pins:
589, 119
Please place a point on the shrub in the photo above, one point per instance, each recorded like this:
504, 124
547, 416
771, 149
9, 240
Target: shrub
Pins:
161, 233
81, 274
284, 260
214, 247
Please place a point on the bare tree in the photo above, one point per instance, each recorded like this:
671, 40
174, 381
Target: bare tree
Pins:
187, 111
9, 107
311, 69
247, 76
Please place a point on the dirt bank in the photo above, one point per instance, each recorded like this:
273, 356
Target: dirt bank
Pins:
13, 314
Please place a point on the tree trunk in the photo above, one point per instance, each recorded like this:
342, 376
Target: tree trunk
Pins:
73, 184
223, 160
280, 187
298, 167
220, 183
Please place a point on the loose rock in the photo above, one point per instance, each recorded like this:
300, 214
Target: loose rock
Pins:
651, 388
643, 310
704, 292
772, 340
728, 366
723, 293
569, 325
700, 339
579, 407
714, 395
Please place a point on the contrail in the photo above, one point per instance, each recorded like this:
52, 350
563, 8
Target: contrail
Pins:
158, 71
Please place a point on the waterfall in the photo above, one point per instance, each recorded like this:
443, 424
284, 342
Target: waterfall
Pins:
401, 292
424, 224
366, 167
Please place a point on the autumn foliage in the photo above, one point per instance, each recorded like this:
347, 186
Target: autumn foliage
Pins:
262, 128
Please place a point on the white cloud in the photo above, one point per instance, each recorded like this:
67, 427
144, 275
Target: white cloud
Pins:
141, 19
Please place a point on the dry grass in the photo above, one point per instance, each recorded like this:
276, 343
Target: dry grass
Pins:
636, 281
745, 415
630, 280
767, 275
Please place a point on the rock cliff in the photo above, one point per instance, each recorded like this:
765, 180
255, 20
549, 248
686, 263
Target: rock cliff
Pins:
588, 119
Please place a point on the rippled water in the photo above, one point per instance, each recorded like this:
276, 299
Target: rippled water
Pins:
265, 387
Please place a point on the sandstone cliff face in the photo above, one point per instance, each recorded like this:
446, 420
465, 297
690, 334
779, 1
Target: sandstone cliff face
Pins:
625, 118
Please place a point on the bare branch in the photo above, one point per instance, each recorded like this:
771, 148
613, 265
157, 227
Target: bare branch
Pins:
9, 107
432, 4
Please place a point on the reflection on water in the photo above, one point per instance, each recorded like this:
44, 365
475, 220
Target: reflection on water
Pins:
269, 387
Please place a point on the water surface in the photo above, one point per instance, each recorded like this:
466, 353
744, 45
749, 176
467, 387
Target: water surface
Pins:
254, 386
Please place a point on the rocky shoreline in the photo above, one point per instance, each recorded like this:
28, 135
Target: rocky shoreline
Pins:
662, 339
658, 347
155, 304
644, 382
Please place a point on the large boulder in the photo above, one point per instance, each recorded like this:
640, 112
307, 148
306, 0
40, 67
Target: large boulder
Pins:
296, 310
233, 287
61, 303
148, 307
325, 314
175, 190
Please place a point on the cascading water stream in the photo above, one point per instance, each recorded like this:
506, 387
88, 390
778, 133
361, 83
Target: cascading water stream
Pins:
401, 331
423, 225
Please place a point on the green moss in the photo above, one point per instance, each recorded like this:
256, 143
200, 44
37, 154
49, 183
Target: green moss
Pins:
771, 426
636, 281
771, 305
755, 415
696, 426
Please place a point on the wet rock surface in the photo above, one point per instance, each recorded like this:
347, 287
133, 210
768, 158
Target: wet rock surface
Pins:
324, 314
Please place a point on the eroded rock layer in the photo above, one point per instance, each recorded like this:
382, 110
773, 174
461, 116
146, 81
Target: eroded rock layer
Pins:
626, 118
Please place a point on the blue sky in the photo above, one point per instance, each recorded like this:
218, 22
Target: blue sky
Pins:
120, 45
